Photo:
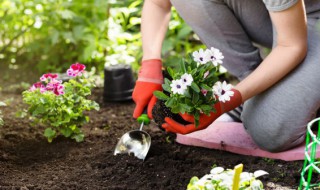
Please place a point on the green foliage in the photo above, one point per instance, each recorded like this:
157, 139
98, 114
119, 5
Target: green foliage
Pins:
47, 34
52, 32
63, 113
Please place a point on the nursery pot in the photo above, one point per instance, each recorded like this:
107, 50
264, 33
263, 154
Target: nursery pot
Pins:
118, 83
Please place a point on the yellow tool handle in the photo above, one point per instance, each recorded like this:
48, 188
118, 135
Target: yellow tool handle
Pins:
236, 178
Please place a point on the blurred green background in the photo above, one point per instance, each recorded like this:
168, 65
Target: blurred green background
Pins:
41, 36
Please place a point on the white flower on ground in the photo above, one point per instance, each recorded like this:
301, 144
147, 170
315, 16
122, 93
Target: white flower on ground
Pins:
187, 79
200, 56
178, 87
260, 173
217, 170
215, 56
256, 185
223, 91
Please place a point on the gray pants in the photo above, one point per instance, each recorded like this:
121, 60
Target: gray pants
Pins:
276, 119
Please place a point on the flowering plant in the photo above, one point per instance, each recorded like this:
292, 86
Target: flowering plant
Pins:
194, 87
220, 179
61, 105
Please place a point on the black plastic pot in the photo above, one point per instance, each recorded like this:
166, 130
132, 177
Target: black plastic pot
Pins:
118, 83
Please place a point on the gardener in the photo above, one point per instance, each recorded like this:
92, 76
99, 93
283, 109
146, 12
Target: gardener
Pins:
280, 94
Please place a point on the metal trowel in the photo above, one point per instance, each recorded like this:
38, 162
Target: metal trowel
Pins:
136, 141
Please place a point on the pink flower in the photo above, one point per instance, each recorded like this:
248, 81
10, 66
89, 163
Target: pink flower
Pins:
36, 86
55, 86
48, 76
59, 90
76, 69
204, 92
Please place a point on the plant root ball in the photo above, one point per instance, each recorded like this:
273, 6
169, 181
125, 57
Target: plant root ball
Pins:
160, 111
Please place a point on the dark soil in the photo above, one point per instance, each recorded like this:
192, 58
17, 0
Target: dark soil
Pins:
28, 161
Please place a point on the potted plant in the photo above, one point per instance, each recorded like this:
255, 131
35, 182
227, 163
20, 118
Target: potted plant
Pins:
193, 88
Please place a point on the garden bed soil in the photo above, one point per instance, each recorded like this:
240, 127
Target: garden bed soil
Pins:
28, 161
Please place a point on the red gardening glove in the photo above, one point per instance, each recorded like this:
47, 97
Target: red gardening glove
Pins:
204, 120
149, 80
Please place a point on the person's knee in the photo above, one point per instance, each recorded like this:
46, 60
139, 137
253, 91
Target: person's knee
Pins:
279, 145
274, 135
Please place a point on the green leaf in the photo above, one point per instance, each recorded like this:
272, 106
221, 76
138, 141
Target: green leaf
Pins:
55, 36
160, 95
39, 110
166, 87
184, 31
182, 66
170, 102
66, 14
195, 98
195, 87
206, 87
66, 131
185, 108
196, 119
205, 108
50, 134
170, 72
78, 137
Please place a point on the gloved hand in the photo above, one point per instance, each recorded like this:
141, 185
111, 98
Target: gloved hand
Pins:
149, 80
171, 125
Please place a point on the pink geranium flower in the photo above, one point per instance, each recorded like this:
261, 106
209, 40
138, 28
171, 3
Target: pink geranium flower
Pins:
47, 76
36, 86
59, 90
55, 86
76, 69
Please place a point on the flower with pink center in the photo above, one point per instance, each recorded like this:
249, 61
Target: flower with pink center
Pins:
49, 76
38, 85
76, 70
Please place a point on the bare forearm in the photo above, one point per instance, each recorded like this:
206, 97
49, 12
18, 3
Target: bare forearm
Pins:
154, 24
278, 64
290, 50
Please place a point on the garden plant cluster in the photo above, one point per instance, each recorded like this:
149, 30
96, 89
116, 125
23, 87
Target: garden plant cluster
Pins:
61, 105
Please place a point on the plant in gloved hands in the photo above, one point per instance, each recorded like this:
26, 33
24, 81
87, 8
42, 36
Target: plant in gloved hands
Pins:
194, 88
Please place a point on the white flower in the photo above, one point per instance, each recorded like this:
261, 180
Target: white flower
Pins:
187, 79
200, 56
223, 91
215, 56
259, 173
256, 185
178, 87
217, 170
245, 176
